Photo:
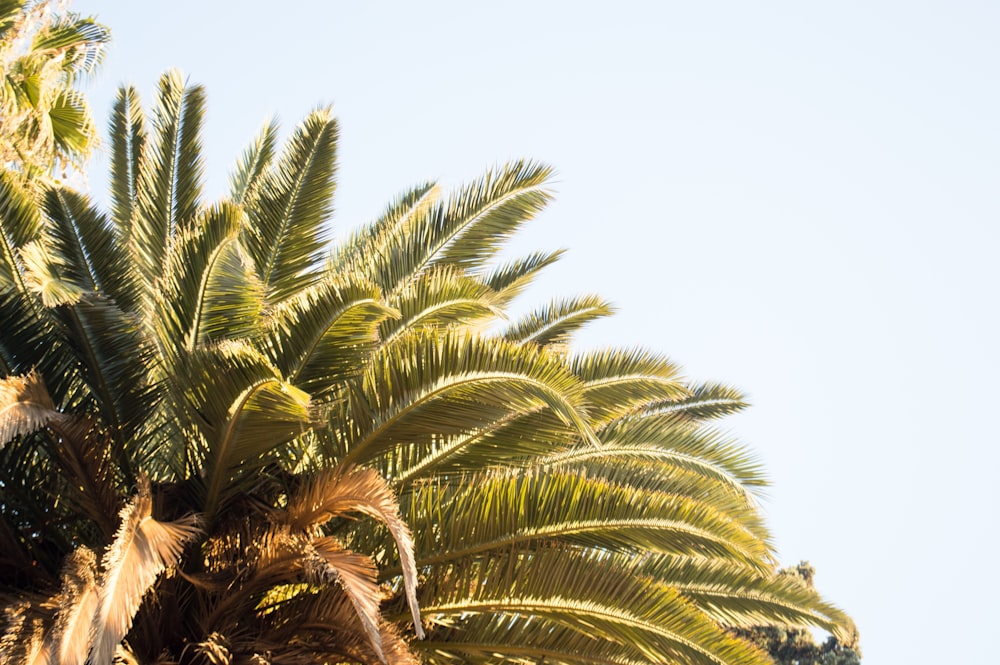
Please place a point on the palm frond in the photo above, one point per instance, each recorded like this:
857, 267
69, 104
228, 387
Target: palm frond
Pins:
357, 576
170, 174
69, 641
245, 413
25, 406
510, 279
590, 592
340, 491
127, 129
735, 595
286, 235
377, 238
20, 224
142, 550
706, 401
498, 510
440, 297
324, 335
253, 164
83, 236
557, 322
428, 385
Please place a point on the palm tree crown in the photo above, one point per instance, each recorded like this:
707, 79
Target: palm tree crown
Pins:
227, 440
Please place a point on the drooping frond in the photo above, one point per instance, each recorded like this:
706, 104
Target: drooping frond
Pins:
619, 381
556, 323
591, 592
336, 492
358, 577
735, 595
429, 384
76, 605
286, 234
25, 406
670, 433
244, 412
490, 513
142, 550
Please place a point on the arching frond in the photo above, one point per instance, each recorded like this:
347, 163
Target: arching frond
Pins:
337, 492
428, 385
556, 323
511, 279
735, 595
590, 592
324, 335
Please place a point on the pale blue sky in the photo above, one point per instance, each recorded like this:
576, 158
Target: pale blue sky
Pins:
798, 198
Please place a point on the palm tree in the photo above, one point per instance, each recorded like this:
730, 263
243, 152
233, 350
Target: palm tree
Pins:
227, 439
45, 122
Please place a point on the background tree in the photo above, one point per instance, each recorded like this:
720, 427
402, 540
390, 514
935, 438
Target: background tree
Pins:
789, 645
45, 52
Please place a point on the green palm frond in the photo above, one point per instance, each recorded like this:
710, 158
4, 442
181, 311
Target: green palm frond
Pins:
591, 592
286, 236
244, 412
510, 279
84, 237
20, 224
464, 231
735, 595
324, 335
170, 174
127, 130
440, 297
191, 291
660, 433
502, 637
376, 239
492, 512
707, 401
428, 385
618, 381
556, 323
253, 164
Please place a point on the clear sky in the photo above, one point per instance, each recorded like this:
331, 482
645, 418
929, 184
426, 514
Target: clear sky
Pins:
799, 198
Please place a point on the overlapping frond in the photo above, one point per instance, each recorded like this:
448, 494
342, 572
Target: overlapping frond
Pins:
587, 591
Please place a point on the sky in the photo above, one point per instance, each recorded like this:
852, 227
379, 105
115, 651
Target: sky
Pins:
796, 198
